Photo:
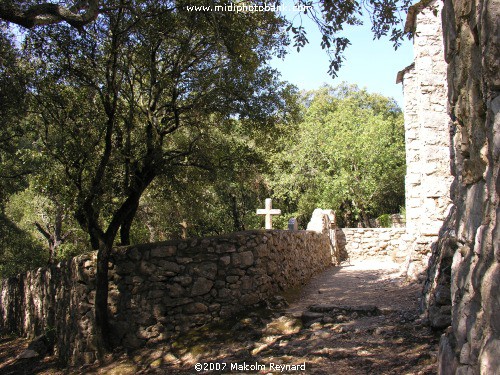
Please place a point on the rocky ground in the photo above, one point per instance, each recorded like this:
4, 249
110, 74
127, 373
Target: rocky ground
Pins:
360, 318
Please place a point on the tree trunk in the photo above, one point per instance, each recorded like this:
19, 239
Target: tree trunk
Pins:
52, 250
87, 218
124, 215
48, 14
238, 225
53, 234
94, 240
126, 225
101, 297
365, 219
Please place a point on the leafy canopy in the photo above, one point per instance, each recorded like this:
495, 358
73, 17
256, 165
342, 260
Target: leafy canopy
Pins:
330, 16
348, 155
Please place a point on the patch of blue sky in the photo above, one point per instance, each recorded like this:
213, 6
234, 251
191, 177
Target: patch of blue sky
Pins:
371, 64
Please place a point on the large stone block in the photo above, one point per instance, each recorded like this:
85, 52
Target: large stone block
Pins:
163, 251
446, 356
207, 270
201, 286
246, 259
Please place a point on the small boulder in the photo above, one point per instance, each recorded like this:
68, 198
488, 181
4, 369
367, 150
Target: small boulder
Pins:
28, 353
37, 348
309, 316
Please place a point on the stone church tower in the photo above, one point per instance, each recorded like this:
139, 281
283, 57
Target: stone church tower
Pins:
428, 177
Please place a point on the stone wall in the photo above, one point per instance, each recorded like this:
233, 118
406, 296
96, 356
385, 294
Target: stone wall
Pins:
160, 290
56, 299
427, 138
463, 284
361, 243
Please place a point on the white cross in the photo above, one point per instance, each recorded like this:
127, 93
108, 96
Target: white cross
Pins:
268, 212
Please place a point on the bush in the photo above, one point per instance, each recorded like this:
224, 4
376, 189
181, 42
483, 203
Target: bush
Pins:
384, 221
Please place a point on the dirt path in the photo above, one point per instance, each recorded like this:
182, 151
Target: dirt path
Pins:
374, 281
356, 319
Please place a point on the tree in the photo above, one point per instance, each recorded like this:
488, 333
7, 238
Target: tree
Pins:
222, 197
350, 158
13, 89
46, 221
132, 98
329, 15
218, 198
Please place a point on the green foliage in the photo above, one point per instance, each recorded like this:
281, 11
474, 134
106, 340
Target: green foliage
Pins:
135, 99
385, 221
348, 155
13, 106
30, 207
402, 211
222, 196
170, 108
386, 17
19, 251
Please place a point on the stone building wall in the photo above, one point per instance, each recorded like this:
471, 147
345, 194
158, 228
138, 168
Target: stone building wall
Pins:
428, 176
463, 285
158, 291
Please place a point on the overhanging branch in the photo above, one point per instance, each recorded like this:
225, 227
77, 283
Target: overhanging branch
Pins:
79, 15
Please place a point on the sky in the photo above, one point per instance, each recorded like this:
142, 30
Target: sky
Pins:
371, 64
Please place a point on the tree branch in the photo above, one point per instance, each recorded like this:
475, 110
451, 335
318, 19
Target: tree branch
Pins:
49, 14
43, 231
16, 175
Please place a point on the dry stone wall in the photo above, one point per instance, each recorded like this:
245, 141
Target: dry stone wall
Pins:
463, 283
360, 243
57, 299
158, 291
